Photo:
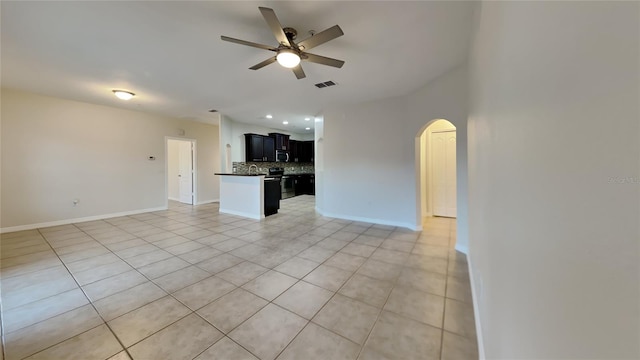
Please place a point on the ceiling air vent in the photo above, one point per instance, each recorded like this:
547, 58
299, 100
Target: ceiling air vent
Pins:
325, 84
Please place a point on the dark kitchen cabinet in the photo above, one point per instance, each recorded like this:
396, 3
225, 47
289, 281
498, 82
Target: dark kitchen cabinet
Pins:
272, 195
301, 151
305, 184
269, 147
259, 148
282, 141
306, 151
293, 150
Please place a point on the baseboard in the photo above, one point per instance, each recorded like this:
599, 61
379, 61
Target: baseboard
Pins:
208, 201
77, 220
174, 199
240, 213
462, 249
370, 220
476, 310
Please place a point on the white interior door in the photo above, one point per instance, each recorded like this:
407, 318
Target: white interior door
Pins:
443, 152
185, 173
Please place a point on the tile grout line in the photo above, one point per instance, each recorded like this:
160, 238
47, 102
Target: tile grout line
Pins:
126, 349
90, 303
395, 283
171, 294
446, 285
271, 301
266, 235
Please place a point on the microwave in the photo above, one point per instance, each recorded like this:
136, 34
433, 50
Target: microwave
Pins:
282, 156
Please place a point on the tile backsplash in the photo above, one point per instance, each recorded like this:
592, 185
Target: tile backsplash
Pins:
263, 167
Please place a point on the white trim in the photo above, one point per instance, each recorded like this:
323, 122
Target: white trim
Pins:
370, 220
174, 199
462, 249
476, 310
208, 201
241, 213
78, 220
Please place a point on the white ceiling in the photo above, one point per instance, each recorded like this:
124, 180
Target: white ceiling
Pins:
170, 54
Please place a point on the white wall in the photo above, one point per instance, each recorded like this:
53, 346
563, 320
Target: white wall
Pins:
55, 150
554, 176
173, 169
318, 164
226, 137
371, 154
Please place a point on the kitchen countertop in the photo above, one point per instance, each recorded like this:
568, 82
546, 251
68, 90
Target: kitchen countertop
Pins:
231, 174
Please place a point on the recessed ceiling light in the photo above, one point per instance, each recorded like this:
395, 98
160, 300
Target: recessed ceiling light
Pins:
285, 122
123, 95
307, 128
307, 119
269, 116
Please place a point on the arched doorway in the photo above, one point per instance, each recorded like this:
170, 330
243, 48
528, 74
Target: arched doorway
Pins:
437, 170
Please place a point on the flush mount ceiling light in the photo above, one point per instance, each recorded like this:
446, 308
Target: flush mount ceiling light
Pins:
288, 58
269, 116
285, 122
123, 95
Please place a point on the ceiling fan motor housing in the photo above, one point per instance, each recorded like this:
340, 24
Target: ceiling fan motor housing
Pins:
290, 32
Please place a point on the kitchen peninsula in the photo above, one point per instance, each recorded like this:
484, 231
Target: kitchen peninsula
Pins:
249, 195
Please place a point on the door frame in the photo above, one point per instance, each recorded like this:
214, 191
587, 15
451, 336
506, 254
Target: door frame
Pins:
194, 158
430, 172
422, 164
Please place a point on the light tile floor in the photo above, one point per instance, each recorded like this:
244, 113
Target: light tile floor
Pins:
190, 283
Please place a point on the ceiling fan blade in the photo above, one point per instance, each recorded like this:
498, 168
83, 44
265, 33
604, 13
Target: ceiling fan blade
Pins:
322, 60
273, 22
321, 37
248, 43
263, 64
299, 72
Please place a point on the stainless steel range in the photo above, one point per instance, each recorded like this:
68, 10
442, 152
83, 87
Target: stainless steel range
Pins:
286, 182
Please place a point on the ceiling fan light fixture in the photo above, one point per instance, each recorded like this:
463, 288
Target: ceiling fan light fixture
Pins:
288, 58
123, 95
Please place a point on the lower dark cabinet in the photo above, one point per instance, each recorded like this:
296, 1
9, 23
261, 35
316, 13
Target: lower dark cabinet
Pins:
305, 185
271, 197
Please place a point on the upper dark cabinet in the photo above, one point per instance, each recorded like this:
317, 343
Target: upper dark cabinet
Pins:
301, 151
307, 153
282, 141
293, 151
269, 148
259, 148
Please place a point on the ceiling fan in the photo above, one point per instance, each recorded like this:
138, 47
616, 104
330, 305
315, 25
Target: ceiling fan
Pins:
289, 53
